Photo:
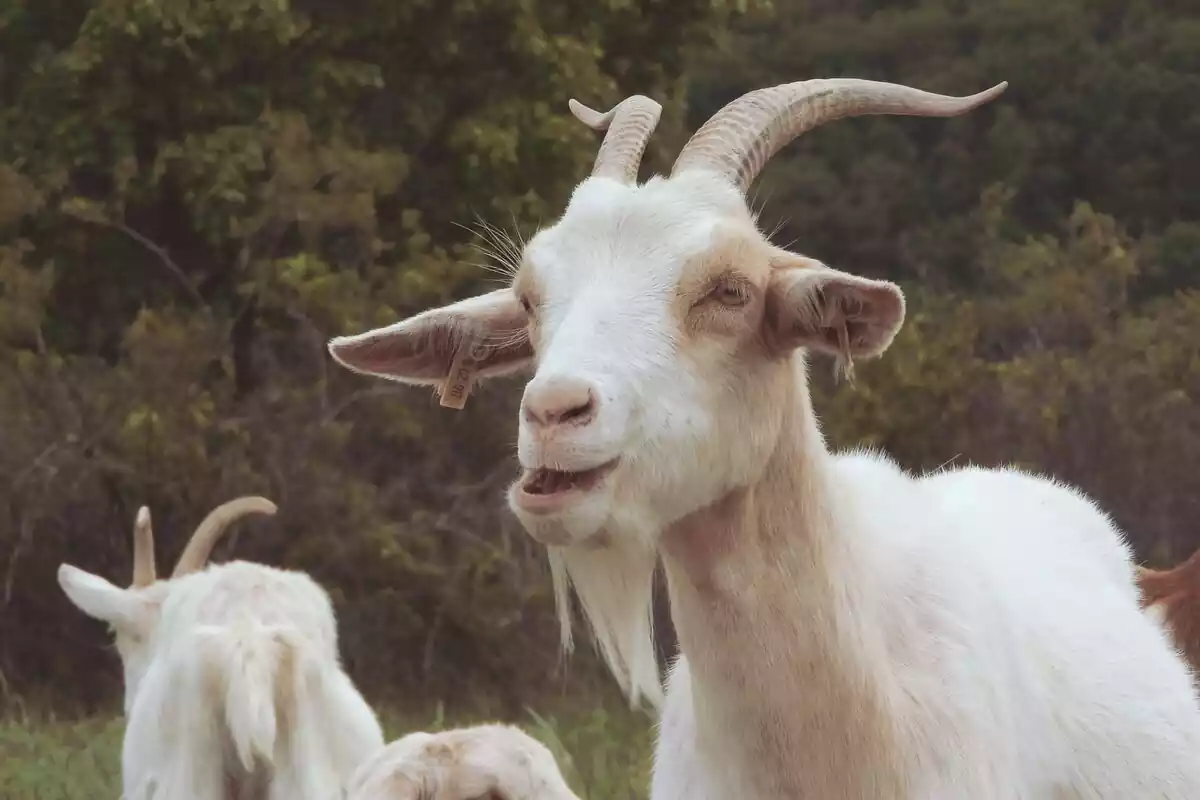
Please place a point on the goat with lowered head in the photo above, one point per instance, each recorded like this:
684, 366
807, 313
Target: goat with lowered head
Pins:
233, 685
480, 762
847, 630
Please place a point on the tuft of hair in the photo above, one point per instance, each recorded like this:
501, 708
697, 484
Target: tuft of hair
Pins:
614, 583
254, 665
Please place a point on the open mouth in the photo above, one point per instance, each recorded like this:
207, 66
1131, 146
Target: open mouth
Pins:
544, 486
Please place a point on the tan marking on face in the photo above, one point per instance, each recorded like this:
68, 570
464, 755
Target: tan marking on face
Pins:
721, 292
786, 259
528, 293
525, 284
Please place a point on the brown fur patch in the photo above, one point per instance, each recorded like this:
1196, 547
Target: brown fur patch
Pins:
734, 248
1177, 592
737, 260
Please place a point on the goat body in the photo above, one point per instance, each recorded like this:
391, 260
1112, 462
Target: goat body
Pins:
246, 698
919, 665
234, 689
847, 631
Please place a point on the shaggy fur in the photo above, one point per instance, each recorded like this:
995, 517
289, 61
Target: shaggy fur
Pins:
233, 686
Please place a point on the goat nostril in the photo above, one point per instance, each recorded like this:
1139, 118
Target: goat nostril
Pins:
580, 412
560, 405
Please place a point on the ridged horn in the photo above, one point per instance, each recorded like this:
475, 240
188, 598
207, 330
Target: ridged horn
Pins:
739, 139
630, 124
144, 570
209, 531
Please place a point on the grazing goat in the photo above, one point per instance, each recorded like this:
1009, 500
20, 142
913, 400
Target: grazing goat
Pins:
1173, 597
482, 762
847, 630
233, 687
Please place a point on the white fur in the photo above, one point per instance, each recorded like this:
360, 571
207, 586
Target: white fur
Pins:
1009, 638
847, 630
233, 683
481, 761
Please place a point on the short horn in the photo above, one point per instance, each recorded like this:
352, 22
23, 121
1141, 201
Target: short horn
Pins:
144, 571
208, 532
739, 139
629, 124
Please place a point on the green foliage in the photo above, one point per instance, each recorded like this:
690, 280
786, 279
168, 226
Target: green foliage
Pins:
1051, 367
1100, 107
54, 760
603, 753
194, 197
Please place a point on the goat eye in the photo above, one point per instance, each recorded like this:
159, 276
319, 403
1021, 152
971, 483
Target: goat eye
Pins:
730, 294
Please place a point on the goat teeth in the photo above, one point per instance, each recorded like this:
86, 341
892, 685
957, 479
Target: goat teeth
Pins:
551, 481
559, 481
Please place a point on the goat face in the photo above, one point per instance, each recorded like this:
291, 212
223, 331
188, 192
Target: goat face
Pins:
656, 314
659, 322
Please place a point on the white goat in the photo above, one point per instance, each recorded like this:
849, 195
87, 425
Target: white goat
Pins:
233, 686
482, 762
847, 630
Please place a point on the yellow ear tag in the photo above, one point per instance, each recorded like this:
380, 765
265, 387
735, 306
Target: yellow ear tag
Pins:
458, 383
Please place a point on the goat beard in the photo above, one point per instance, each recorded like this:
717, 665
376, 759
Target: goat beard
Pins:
614, 583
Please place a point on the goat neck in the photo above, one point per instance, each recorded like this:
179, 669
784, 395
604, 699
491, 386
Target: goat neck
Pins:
759, 579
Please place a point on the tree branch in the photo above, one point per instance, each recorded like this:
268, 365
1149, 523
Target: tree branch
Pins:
164, 257
161, 252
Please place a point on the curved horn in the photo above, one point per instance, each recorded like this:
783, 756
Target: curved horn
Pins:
630, 124
739, 139
144, 572
200, 546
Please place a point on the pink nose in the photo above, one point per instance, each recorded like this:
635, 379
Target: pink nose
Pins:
559, 401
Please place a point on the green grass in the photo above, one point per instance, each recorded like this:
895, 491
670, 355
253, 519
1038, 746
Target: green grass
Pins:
604, 753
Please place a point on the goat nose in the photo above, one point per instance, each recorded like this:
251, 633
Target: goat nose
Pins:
559, 401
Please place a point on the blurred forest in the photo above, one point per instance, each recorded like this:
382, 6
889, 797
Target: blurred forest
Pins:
195, 196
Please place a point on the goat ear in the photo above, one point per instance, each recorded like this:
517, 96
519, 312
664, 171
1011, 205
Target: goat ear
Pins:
489, 330
811, 305
98, 598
